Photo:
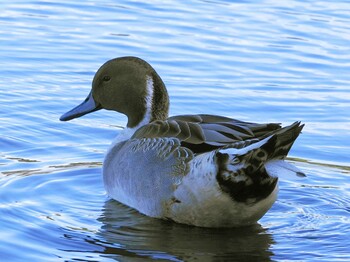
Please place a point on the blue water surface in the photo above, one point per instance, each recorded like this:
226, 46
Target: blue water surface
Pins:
259, 61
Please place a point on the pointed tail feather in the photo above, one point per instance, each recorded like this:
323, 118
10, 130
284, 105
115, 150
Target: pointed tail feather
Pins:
285, 138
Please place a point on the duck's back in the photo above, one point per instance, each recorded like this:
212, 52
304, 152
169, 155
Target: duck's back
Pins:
203, 133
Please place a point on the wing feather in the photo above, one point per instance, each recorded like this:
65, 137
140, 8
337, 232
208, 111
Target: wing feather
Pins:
202, 133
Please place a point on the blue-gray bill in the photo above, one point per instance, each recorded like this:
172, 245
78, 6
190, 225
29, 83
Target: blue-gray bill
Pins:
89, 105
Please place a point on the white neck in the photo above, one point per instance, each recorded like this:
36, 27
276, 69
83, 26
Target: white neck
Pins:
149, 98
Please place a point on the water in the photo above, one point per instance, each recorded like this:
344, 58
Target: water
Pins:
271, 61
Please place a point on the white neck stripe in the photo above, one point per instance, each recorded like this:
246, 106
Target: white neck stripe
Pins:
149, 97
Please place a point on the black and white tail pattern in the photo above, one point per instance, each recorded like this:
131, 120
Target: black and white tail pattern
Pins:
242, 171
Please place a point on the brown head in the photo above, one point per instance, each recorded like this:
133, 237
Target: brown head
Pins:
128, 85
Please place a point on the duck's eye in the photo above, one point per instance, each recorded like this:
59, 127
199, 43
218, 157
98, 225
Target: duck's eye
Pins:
106, 78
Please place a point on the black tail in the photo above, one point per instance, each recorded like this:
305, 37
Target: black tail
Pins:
284, 140
241, 172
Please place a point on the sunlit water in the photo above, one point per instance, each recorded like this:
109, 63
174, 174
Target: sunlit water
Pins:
273, 61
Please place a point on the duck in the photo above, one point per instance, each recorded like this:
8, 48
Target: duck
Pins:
197, 169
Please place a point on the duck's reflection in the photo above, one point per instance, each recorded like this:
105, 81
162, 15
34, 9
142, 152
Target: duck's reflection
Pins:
127, 233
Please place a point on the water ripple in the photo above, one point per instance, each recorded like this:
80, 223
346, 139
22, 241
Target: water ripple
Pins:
262, 61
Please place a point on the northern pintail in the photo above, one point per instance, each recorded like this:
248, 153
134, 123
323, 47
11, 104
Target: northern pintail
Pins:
202, 170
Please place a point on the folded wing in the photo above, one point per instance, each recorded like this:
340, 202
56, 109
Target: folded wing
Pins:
202, 133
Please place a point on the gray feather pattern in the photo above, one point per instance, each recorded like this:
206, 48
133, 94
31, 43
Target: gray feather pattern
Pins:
215, 131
